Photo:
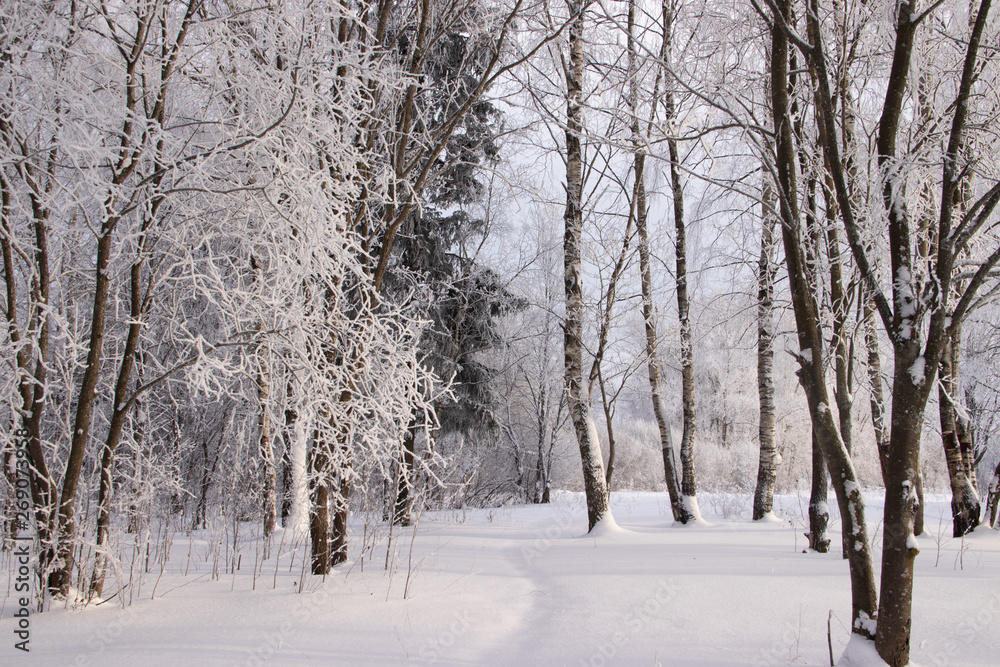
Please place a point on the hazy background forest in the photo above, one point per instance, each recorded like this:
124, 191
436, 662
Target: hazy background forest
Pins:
292, 263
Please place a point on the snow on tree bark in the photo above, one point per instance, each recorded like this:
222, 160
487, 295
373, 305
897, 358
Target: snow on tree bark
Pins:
906, 318
595, 486
965, 507
811, 375
688, 482
763, 500
671, 469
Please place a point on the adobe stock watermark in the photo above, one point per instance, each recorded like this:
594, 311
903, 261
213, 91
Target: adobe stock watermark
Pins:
433, 649
631, 625
99, 641
22, 542
277, 639
785, 649
960, 637
544, 539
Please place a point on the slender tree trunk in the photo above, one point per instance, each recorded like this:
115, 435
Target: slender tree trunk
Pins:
903, 460
965, 507
541, 483
812, 255
206, 480
811, 374
962, 428
915, 367
596, 376
819, 510
123, 404
518, 452
32, 383
541, 424
671, 469
876, 400
265, 446
993, 500
339, 538
579, 402
544, 484
763, 499
536, 496
609, 425
286, 474
319, 513
688, 483
403, 504
111, 442
266, 449
843, 343
61, 577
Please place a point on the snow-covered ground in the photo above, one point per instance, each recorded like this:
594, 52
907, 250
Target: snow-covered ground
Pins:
525, 586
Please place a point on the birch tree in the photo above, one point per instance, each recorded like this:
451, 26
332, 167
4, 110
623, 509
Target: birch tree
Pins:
763, 500
579, 406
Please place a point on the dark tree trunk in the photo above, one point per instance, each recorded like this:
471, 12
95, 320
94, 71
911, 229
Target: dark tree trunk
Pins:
609, 427
61, 576
402, 508
542, 425
962, 427
965, 507
111, 442
906, 317
671, 469
810, 340
287, 472
903, 460
993, 499
876, 400
266, 451
319, 512
812, 256
31, 383
286, 488
899, 550
138, 305
688, 483
543, 486
340, 514
819, 510
207, 472
913, 380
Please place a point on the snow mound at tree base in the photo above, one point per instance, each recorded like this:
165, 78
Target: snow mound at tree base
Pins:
860, 652
606, 528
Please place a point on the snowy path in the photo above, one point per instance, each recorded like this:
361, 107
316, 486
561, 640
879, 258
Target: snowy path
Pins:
524, 586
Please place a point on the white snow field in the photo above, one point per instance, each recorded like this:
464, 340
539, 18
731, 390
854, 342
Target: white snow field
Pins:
525, 586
